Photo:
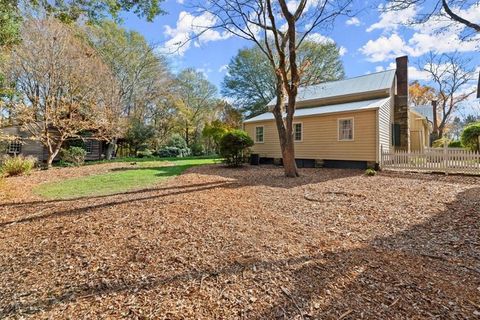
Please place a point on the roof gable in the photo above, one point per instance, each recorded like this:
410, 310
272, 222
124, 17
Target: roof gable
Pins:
362, 84
424, 110
336, 108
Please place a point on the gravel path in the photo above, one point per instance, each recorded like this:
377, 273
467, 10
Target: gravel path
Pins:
217, 243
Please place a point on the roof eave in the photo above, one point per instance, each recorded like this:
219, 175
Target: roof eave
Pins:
345, 96
318, 114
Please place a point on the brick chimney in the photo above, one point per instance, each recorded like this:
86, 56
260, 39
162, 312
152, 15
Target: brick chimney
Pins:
400, 110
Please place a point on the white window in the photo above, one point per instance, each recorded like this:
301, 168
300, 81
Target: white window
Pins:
88, 146
259, 134
15, 147
345, 129
297, 131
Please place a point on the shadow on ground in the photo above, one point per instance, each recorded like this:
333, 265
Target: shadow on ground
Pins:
430, 270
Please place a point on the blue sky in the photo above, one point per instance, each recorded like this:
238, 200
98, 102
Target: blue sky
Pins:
371, 41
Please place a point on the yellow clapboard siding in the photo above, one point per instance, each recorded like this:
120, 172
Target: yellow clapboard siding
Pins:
320, 138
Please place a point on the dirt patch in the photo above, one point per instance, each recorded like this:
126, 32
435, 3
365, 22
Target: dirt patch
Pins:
249, 244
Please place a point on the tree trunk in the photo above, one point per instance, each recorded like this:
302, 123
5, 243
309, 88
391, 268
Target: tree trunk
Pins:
110, 148
440, 131
51, 156
285, 136
289, 164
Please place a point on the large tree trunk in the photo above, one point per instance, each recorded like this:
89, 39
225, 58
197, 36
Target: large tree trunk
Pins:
285, 135
110, 148
52, 153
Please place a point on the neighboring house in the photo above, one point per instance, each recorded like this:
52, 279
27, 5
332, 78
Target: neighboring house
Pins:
27, 146
421, 127
345, 123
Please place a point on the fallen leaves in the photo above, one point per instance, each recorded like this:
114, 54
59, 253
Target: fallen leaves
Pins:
247, 243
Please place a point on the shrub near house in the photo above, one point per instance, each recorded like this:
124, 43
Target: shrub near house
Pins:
17, 165
471, 137
233, 144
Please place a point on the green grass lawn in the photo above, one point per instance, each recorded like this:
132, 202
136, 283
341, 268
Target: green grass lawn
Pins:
141, 175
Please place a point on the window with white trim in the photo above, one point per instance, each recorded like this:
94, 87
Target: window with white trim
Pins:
259, 134
15, 147
297, 131
345, 129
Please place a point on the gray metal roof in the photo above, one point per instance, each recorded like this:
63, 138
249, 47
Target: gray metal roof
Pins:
425, 110
371, 82
342, 107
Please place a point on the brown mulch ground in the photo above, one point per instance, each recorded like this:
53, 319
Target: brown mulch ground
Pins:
217, 243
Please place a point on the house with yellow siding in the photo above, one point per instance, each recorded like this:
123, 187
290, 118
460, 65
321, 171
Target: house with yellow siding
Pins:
346, 123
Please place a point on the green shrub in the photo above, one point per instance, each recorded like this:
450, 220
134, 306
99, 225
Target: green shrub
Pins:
138, 134
75, 143
17, 165
73, 155
440, 143
177, 141
455, 144
144, 153
370, 172
197, 149
233, 144
173, 152
471, 135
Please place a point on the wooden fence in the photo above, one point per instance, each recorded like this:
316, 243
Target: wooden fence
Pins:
446, 160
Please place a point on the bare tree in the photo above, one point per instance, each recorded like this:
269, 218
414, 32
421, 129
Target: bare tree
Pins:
450, 76
445, 8
63, 88
278, 28
442, 8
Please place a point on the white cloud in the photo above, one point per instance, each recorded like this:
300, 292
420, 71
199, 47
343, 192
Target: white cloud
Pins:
223, 68
438, 34
191, 29
413, 72
416, 74
319, 38
391, 20
384, 48
353, 21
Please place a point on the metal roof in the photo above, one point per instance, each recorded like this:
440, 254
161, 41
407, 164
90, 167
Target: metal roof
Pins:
425, 110
342, 107
367, 83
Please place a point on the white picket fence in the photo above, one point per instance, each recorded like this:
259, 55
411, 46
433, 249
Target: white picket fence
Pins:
446, 160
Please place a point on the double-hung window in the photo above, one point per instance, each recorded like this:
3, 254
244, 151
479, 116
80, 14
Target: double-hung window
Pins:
14, 147
259, 132
345, 129
297, 131
88, 146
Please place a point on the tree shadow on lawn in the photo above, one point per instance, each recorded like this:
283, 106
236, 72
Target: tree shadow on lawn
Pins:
274, 176
238, 177
429, 270
165, 172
